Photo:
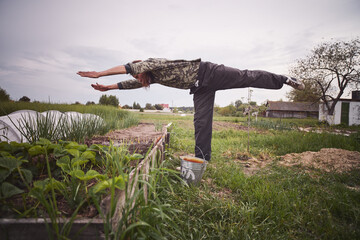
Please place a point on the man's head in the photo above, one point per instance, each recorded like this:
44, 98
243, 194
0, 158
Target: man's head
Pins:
144, 78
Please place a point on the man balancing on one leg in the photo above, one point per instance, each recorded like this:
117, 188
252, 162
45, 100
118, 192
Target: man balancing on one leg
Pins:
202, 78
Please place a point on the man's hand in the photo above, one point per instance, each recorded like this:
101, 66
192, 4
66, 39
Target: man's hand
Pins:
100, 87
92, 74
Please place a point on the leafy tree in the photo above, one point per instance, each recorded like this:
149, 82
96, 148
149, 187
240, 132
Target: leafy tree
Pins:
334, 67
238, 104
158, 107
149, 106
228, 110
4, 96
24, 99
136, 105
312, 93
109, 100
90, 103
126, 107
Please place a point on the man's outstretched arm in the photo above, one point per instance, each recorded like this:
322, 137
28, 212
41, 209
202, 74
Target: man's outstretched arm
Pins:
112, 71
104, 88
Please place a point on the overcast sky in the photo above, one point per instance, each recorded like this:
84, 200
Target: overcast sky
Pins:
44, 43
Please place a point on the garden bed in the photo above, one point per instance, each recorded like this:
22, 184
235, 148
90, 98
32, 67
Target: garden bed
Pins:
137, 138
143, 139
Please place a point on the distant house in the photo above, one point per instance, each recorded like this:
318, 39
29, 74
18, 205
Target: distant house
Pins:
292, 109
347, 111
166, 107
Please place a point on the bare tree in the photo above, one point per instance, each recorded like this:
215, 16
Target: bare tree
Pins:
334, 67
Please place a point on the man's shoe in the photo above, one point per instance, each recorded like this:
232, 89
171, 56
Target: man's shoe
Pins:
295, 83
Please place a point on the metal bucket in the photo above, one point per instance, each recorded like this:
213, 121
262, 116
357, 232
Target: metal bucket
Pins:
192, 169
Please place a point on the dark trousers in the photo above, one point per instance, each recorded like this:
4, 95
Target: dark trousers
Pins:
215, 77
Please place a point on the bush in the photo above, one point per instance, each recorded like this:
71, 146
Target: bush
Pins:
158, 107
4, 96
109, 100
24, 99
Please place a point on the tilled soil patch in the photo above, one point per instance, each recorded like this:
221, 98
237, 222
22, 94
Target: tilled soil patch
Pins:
327, 159
138, 138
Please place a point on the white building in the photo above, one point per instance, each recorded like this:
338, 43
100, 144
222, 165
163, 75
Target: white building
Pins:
347, 111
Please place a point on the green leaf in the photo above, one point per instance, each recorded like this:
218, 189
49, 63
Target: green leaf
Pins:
5, 146
57, 185
21, 145
73, 152
36, 150
90, 175
10, 163
120, 182
101, 186
43, 185
90, 155
4, 154
27, 175
63, 161
82, 147
37, 193
4, 173
52, 146
59, 151
136, 156
15, 147
72, 145
43, 142
9, 190
77, 173
78, 161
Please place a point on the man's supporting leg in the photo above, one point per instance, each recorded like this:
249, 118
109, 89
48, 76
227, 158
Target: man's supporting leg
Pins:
204, 107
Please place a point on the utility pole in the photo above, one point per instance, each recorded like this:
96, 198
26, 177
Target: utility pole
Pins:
249, 100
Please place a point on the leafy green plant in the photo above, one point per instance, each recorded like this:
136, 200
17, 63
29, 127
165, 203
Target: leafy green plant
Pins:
11, 170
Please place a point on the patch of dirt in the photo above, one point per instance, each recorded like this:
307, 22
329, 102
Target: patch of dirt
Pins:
250, 164
327, 159
217, 192
138, 138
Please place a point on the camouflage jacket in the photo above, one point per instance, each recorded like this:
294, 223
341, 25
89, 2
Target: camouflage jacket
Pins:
172, 73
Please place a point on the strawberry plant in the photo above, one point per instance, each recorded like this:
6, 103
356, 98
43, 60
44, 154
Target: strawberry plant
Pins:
65, 172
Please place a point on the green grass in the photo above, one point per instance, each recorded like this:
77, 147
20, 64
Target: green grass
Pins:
275, 203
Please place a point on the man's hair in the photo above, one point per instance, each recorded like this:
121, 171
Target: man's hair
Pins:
147, 79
